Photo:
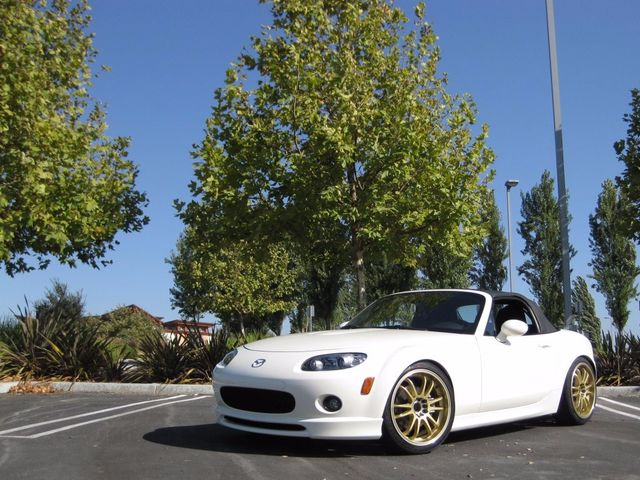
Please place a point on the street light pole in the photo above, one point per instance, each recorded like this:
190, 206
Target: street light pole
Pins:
509, 184
562, 190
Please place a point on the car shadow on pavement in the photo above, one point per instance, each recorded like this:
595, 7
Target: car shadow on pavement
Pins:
215, 438
212, 437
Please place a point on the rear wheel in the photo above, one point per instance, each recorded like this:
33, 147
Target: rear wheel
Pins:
579, 394
420, 409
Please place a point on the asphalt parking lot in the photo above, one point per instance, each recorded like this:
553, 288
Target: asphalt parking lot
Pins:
84, 436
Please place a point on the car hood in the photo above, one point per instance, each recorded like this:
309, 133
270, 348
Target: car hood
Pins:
344, 340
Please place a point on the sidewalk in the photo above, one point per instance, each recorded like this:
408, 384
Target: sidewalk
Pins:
176, 389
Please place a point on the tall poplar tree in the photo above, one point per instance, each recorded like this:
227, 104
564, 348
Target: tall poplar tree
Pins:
336, 130
613, 253
540, 230
584, 308
489, 272
628, 151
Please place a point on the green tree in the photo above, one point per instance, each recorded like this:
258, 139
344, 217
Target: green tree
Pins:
540, 230
445, 266
66, 189
628, 151
347, 142
613, 253
190, 287
385, 277
489, 272
321, 286
584, 308
124, 328
242, 283
59, 303
246, 284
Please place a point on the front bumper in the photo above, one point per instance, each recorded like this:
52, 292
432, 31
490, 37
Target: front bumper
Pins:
359, 418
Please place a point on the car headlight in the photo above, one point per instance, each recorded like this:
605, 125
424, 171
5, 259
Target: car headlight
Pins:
333, 361
228, 357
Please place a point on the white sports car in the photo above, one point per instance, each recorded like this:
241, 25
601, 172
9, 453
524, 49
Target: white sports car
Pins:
410, 368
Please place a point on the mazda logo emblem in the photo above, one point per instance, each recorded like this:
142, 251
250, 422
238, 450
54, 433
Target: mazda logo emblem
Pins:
258, 363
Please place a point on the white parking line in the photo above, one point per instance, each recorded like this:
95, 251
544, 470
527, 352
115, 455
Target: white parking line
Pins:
632, 407
69, 427
102, 419
97, 412
625, 414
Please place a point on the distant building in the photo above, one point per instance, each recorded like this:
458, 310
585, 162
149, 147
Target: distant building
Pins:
181, 328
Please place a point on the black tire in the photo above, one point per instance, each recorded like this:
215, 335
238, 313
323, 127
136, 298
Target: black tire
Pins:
420, 410
578, 394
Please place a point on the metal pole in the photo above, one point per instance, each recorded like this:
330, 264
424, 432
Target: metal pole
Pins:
562, 190
509, 184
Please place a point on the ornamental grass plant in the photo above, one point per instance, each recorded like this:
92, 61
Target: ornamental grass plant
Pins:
618, 361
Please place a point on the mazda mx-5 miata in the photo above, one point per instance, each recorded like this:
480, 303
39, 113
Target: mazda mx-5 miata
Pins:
410, 368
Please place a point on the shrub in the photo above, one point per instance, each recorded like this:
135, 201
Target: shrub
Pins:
55, 344
205, 355
162, 359
9, 329
184, 358
618, 361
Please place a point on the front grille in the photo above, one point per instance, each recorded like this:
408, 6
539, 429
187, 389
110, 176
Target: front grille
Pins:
285, 427
258, 400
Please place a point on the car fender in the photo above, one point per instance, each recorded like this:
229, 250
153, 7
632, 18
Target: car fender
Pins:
459, 358
569, 346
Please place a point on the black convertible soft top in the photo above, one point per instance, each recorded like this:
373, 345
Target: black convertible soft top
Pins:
543, 322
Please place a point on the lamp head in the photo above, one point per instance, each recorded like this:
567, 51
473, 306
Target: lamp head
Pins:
511, 183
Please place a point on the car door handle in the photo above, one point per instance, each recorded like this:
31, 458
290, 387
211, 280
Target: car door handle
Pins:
544, 346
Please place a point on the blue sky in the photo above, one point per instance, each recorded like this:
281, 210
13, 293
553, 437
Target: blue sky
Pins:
167, 57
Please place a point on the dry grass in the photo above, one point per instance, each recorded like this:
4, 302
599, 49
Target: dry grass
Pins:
24, 388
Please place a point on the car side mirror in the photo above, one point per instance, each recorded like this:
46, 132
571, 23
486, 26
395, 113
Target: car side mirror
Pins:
512, 328
343, 324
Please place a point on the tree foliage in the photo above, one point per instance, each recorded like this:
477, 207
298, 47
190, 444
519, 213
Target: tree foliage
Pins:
66, 189
628, 151
584, 308
445, 266
189, 285
336, 130
240, 283
60, 303
540, 230
125, 328
320, 287
613, 253
489, 272
385, 277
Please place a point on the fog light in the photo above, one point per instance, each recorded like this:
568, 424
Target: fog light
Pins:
332, 403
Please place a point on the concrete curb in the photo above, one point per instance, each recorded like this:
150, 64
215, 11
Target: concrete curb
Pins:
619, 391
177, 389
123, 388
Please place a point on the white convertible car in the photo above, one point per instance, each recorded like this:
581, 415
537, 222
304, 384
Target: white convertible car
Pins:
410, 368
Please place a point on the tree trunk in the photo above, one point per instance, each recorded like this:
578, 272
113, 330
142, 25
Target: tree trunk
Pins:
356, 240
361, 294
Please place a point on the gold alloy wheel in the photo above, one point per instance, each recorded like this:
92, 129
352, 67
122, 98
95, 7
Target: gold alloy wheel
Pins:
420, 407
583, 389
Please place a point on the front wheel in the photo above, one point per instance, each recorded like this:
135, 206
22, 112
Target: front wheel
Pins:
578, 394
420, 410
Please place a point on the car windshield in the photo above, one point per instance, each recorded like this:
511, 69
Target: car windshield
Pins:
436, 311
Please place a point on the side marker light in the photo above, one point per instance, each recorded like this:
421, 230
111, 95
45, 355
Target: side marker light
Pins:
367, 385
